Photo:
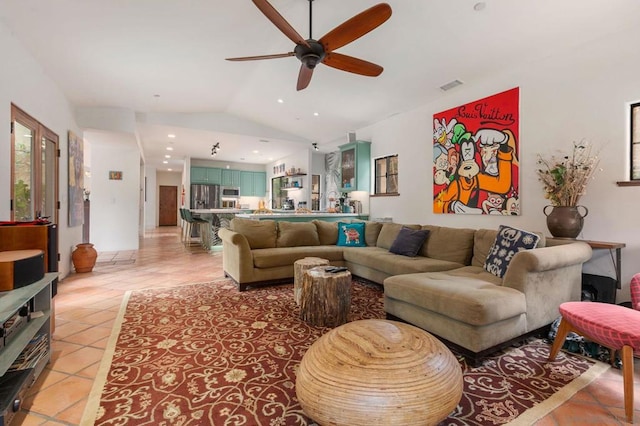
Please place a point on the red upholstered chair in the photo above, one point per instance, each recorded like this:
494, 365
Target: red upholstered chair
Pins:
613, 326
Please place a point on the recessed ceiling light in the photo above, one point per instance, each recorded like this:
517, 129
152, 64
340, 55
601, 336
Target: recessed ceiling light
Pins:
169, 148
167, 156
255, 151
280, 101
169, 170
270, 158
316, 114
165, 162
171, 135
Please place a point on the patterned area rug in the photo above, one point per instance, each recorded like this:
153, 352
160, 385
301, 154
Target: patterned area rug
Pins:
206, 354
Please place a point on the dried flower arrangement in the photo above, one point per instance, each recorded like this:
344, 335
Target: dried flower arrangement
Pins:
565, 177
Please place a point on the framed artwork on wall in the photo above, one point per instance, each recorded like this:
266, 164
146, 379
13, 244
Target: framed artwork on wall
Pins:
76, 180
475, 157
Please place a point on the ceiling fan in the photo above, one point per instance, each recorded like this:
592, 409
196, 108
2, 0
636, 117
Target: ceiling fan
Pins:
311, 52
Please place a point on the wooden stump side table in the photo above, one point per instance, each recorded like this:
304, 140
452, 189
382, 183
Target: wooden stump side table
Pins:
378, 372
325, 299
299, 268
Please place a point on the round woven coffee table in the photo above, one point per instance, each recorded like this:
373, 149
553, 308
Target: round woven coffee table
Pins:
378, 372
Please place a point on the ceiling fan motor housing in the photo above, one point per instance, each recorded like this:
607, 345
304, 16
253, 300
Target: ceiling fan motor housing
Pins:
310, 56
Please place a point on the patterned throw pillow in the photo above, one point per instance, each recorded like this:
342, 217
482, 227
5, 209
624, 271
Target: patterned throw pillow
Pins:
351, 234
508, 242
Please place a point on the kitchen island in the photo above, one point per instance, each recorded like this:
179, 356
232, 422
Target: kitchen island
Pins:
218, 218
303, 217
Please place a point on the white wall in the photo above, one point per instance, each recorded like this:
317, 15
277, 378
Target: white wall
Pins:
582, 94
150, 210
23, 83
299, 160
115, 203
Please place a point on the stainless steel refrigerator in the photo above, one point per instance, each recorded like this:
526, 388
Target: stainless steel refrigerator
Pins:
205, 196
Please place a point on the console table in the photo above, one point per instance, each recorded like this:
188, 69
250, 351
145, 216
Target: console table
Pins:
617, 261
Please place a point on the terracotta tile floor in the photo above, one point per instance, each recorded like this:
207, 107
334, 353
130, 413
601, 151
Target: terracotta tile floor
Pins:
87, 304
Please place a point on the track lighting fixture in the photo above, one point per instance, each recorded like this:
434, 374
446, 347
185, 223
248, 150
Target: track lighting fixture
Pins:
315, 146
214, 149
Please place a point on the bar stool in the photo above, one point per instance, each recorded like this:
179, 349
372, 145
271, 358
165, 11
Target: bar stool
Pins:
191, 221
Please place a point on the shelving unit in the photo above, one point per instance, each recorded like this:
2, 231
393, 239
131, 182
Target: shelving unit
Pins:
293, 181
37, 298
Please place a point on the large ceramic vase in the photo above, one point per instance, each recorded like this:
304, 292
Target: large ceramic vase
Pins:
565, 221
84, 257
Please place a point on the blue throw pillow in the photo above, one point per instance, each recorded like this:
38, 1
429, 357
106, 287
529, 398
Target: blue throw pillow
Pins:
508, 242
409, 241
351, 234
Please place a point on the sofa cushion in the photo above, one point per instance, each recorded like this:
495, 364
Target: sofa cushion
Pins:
295, 234
389, 232
286, 256
351, 234
327, 232
409, 241
259, 233
452, 244
380, 259
508, 242
470, 295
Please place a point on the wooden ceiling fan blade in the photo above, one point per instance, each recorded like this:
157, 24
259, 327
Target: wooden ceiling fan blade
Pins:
304, 77
272, 14
356, 27
255, 58
351, 64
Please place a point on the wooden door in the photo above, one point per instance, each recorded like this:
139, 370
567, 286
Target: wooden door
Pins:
168, 214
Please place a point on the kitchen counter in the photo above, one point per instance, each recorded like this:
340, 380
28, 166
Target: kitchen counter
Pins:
303, 217
230, 211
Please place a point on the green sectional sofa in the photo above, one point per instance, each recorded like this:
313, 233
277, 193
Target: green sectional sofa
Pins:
444, 289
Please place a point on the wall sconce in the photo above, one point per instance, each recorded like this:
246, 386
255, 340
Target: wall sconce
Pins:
315, 146
214, 149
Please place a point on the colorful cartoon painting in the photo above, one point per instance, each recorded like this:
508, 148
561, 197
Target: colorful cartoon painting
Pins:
475, 157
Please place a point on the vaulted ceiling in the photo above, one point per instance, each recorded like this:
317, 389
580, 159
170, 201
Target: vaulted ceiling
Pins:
164, 60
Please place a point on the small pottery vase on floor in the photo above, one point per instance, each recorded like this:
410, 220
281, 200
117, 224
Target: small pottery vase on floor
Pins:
565, 221
84, 257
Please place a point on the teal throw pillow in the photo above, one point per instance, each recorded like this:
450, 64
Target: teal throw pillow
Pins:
351, 234
509, 241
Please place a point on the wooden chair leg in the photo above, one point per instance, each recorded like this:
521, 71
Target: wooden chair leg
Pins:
563, 329
627, 374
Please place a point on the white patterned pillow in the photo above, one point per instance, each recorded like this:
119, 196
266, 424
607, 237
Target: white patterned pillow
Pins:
508, 242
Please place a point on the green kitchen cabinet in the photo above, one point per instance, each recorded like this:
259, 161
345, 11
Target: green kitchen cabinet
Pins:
230, 177
259, 184
253, 184
199, 175
355, 166
210, 175
214, 175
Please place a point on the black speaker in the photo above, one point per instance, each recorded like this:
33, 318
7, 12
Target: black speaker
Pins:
598, 288
52, 253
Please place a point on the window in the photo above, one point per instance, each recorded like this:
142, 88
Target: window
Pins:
635, 141
386, 172
34, 169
